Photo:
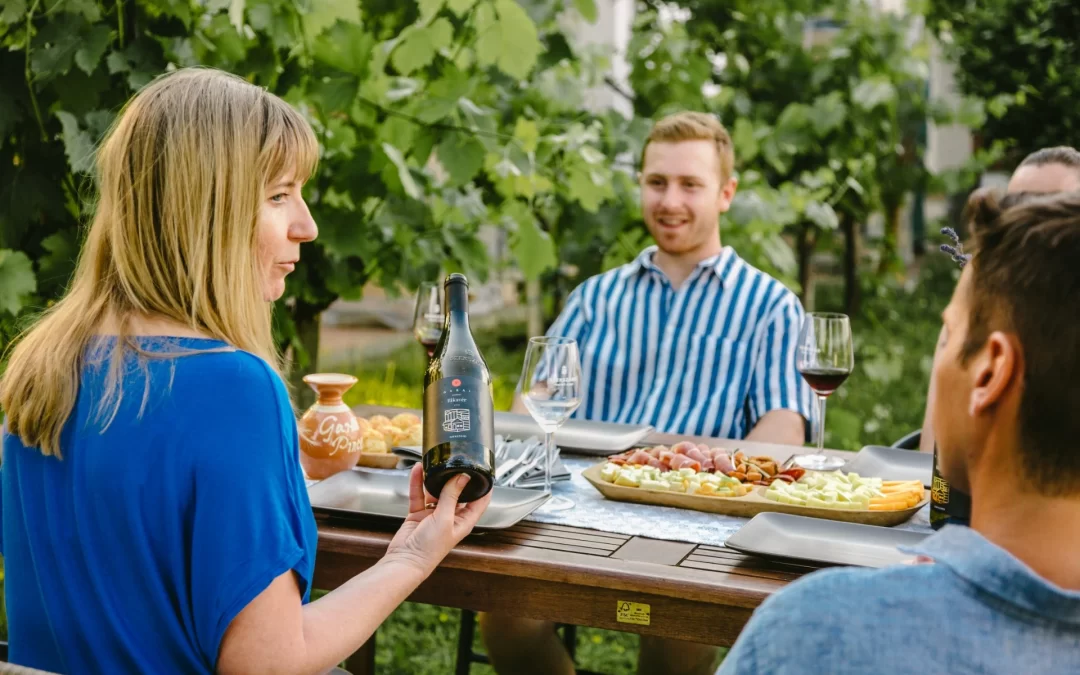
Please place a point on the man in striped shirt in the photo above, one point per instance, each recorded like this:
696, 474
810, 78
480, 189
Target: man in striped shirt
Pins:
688, 338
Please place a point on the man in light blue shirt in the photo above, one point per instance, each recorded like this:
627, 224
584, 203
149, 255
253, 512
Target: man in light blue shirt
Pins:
688, 338
1004, 595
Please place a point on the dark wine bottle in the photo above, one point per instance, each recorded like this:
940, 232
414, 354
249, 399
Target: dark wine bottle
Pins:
947, 506
459, 416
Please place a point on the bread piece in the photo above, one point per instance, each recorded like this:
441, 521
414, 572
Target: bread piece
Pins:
375, 441
405, 420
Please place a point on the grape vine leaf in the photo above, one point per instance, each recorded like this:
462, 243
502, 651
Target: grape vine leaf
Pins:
404, 175
78, 145
94, 44
532, 247
17, 280
587, 9
462, 156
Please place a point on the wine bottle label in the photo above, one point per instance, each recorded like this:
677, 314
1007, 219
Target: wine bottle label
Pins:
461, 410
939, 490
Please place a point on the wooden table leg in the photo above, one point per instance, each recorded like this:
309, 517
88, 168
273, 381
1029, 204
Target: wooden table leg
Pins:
362, 662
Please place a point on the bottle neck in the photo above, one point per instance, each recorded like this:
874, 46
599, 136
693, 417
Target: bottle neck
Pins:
457, 305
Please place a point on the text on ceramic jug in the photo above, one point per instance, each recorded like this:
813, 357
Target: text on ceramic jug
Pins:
339, 436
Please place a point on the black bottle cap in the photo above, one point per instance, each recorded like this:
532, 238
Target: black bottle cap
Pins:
456, 278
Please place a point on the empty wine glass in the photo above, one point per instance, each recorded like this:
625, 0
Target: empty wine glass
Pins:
551, 390
428, 316
825, 358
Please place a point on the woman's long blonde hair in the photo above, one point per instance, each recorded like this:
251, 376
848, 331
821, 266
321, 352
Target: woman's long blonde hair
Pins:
181, 175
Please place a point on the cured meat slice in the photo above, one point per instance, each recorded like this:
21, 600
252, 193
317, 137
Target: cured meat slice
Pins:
683, 448
722, 462
639, 457
704, 459
694, 453
683, 462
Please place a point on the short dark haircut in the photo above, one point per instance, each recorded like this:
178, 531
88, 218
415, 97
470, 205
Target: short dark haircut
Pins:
1061, 154
1026, 281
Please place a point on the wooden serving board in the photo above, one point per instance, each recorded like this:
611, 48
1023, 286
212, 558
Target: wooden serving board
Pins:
378, 460
743, 507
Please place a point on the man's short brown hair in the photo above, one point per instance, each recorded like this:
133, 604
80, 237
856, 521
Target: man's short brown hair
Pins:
1061, 154
1026, 281
695, 126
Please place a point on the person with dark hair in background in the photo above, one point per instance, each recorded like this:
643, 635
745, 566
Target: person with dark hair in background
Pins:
1003, 595
1044, 171
1054, 169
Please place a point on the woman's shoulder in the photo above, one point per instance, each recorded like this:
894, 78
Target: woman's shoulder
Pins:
227, 377
233, 406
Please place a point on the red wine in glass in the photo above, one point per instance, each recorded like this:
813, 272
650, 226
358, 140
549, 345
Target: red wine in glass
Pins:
428, 342
428, 316
824, 381
825, 356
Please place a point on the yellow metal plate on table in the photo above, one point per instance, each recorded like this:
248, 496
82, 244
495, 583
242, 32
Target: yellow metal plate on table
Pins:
633, 612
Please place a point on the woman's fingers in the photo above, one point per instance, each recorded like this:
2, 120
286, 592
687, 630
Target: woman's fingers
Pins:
451, 491
470, 514
416, 489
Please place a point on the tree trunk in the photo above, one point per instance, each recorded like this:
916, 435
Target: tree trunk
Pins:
891, 249
805, 251
306, 319
534, 309
851, 261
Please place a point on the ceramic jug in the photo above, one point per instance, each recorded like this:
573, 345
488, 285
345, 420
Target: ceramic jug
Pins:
331, 438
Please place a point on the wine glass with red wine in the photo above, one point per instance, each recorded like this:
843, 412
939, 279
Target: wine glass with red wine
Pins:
428, 316
825, 357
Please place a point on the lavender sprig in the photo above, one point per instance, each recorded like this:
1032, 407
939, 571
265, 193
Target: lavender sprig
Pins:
956, 250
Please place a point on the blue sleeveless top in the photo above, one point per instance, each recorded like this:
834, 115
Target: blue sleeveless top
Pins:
134, 552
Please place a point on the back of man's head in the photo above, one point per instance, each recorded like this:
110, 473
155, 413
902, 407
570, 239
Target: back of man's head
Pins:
1054, 169
1026, 281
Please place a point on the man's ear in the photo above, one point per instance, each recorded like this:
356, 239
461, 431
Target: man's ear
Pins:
997, 369
727, 193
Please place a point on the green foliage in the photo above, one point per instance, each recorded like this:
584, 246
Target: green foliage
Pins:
824, 129
895, 335
1023, 59
434, 120
16, 280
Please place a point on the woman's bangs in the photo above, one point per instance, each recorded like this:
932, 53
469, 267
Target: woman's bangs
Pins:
290, 146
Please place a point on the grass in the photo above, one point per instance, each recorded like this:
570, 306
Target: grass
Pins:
422, 640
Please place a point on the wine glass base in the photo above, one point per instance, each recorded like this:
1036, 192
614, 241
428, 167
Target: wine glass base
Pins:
555, 504
819, 462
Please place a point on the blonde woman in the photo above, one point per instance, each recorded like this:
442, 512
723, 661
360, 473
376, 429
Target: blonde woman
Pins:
154, 513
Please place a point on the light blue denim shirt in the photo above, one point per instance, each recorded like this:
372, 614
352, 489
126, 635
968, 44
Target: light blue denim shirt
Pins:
977, 610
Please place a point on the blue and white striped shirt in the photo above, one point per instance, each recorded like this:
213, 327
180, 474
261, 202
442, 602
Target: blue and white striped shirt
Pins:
708, 359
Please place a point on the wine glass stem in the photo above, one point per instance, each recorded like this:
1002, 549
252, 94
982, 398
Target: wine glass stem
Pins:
549, 448
821, 424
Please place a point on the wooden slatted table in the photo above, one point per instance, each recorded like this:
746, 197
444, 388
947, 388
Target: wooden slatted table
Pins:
579, 576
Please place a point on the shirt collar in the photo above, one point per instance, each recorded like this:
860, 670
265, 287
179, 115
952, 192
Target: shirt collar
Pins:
724, 264
997, 572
